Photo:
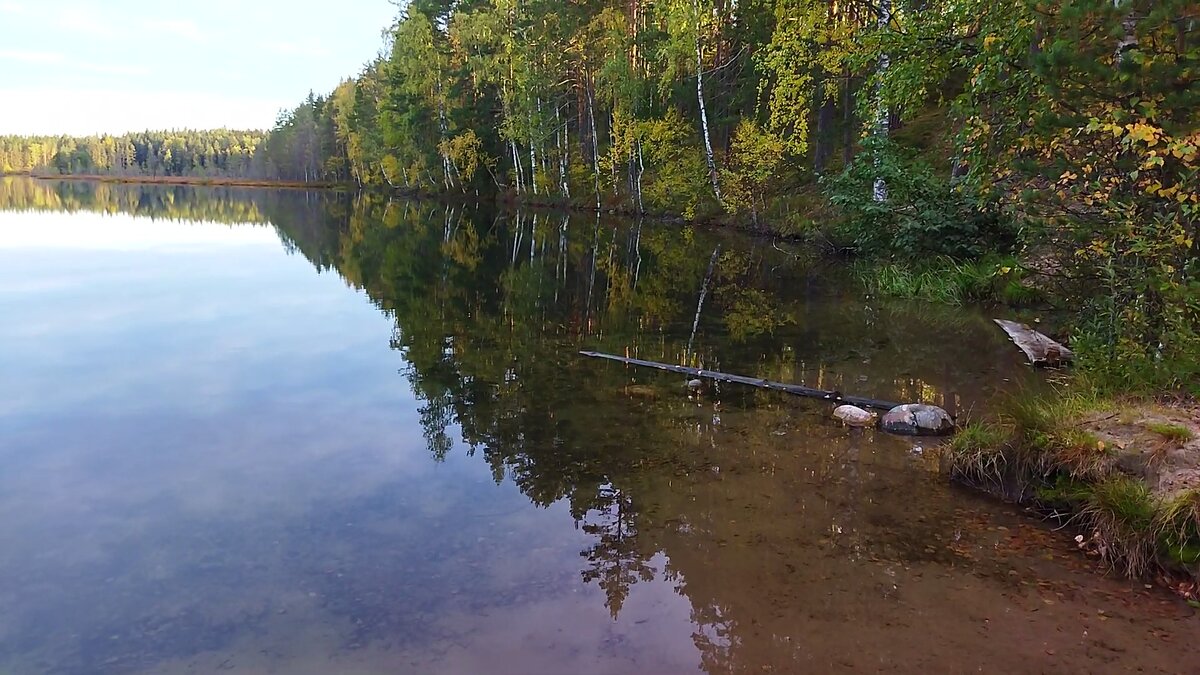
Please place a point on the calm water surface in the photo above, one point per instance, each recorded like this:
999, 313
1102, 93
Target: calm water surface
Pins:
288, 432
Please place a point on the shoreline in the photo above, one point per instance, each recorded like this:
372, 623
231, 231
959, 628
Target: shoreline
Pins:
501, 199
203, 181
1121, 470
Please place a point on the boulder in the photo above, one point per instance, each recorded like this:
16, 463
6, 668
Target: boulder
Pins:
917, 419
854, 416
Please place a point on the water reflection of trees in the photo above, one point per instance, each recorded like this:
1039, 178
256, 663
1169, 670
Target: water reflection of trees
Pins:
489, 311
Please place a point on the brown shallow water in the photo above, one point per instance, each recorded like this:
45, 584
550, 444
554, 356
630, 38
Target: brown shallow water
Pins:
355, 437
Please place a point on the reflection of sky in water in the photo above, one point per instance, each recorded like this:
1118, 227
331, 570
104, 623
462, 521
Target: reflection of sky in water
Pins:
203, 435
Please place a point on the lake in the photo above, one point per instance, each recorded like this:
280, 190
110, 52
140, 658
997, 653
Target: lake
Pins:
259, 431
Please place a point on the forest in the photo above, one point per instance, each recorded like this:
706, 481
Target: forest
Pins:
1054, 144
950, 142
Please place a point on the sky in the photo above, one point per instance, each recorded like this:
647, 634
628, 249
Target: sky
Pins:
110, 66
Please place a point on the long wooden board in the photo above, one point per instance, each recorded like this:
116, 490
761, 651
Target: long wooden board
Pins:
798, 390
1039, 349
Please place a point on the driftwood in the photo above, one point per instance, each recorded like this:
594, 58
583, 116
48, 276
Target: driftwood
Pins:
798, 390
1041, 350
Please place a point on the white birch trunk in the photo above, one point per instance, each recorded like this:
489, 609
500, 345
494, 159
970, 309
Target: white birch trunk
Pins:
443, 132
595, 144
563, 144
640, 170
881, 113
1129, 30
708, 151
516, 164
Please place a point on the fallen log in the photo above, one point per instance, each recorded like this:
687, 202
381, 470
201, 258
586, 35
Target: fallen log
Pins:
1039, 349
798, 390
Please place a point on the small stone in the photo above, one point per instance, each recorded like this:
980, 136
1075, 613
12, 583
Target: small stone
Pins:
854, 416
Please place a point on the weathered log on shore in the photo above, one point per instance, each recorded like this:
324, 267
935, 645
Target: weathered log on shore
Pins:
798, 390
1041, 350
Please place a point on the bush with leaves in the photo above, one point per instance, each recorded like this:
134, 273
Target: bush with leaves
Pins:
923, 214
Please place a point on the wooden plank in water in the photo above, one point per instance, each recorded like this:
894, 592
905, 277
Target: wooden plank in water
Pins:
798, 390
1041, 350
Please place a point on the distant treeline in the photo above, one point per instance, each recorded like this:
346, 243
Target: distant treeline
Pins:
218, 152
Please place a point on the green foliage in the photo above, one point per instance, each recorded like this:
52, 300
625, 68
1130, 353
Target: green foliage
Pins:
1123, 363
681, 184
1078, 117
465, 154
753, 168
922, 215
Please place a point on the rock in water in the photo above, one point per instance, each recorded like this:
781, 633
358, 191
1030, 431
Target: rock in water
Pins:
917, 419
641, 391
854, 416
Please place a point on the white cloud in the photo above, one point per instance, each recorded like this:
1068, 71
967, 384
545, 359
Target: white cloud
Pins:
178, 28
27, 56
112, 69
85, 20
88, 111
58, 59
10, 7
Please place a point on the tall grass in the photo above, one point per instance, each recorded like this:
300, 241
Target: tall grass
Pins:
948, 281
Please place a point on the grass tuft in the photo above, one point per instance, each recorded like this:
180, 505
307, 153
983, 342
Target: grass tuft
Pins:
1179, 527
1122, 512
976, 455
1172, 432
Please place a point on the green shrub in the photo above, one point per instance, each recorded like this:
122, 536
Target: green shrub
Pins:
923, 214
